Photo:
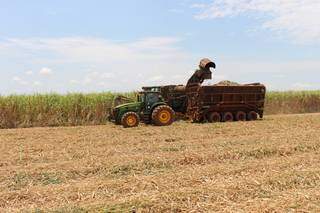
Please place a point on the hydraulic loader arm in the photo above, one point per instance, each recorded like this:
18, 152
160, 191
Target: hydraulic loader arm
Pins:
202, 73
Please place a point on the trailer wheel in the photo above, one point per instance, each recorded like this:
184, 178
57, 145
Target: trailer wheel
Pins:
163, 115
241, 116
214, 117
228, 117
252, 116
130, 119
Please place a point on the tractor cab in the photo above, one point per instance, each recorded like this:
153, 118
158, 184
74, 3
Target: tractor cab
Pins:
149, 100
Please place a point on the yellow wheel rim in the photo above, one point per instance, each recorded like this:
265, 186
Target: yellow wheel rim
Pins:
164, 116
131, 120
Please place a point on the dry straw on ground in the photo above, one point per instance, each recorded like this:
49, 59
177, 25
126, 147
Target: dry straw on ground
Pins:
264, 166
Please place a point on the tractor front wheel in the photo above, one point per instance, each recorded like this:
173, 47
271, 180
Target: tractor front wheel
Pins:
130, 119
163, 115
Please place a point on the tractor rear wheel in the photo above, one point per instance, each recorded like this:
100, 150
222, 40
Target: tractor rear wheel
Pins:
130, 119
252, 116
163, 115
241, 116
214, 117
227, 117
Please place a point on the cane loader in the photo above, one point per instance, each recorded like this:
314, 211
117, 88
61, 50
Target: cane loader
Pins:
214, 103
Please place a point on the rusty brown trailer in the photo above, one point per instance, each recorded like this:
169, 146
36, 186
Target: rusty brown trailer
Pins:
225, 103
214, 103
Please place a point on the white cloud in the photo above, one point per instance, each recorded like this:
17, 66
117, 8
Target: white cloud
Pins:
37, 83
107, 75
29, 72
45, 71
298, 19
87, 80
93, 78
273, 68
15, 78
278, 75
74, 82
304, 86
102, 84
178, 76
88, 64
98, 50
156, 78
19, 81
176, 11
124, 61
197, 5
155, 43
220, 77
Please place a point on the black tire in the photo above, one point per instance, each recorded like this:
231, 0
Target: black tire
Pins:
228, 117
117, 122
163, 115
241, 116
214, 117
252, 116
130, 119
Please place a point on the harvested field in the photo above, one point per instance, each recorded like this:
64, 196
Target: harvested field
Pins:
269, 165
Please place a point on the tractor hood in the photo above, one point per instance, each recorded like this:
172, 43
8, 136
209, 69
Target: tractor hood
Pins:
129, 105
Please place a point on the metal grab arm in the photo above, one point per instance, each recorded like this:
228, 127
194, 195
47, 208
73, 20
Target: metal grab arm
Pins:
202, 73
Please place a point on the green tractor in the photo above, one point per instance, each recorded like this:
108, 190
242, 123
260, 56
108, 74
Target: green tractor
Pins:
149, 108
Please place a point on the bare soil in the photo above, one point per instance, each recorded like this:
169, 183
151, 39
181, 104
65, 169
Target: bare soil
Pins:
265, 166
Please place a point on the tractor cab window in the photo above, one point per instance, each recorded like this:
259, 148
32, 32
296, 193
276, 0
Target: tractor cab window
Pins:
152, 98
140, 97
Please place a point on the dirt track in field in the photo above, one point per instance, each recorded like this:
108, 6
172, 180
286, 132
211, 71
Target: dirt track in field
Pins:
269, 165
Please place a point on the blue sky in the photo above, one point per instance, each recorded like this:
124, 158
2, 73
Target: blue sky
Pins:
91, 46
